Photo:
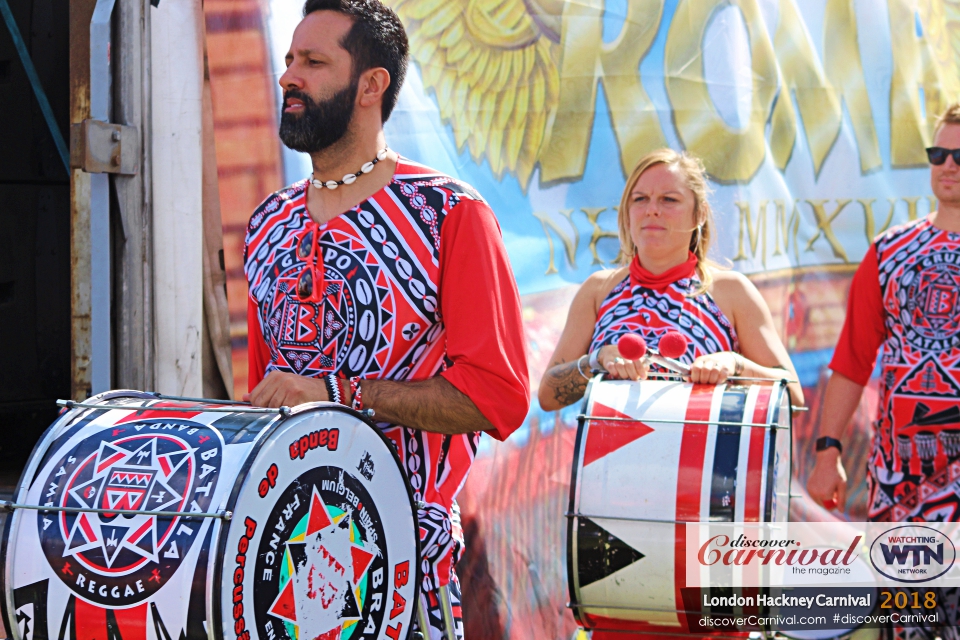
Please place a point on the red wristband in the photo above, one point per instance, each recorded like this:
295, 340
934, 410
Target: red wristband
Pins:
357, 393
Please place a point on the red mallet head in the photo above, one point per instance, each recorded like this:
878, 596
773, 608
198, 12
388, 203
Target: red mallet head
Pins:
673, 344
632, 346
830, 504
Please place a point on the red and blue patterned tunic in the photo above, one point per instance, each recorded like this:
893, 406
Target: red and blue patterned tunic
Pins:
905, 301
632, 307
416, 283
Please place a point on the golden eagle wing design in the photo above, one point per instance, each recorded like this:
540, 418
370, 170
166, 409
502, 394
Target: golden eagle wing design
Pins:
493, 65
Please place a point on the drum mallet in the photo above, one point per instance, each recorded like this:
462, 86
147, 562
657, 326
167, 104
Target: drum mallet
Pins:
672, 345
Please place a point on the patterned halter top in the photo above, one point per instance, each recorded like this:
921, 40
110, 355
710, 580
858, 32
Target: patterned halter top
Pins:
632, 307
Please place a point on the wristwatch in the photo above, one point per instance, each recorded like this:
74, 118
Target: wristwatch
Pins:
826, 442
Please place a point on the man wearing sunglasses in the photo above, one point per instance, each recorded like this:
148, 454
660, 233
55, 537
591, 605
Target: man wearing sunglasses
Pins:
381, 283
905, 302
905, 299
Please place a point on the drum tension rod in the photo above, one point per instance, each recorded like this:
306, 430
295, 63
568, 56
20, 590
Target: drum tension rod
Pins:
72, 404
6, 505
682, 421
746, 525
285, 411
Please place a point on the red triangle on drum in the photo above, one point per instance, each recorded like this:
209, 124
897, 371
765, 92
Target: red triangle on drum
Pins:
606, 436
361, 562
318, 518
285, 606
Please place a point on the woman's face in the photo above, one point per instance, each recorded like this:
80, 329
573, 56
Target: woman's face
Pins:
661, 213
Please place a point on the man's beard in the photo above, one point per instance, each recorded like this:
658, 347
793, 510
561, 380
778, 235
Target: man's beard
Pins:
320, 124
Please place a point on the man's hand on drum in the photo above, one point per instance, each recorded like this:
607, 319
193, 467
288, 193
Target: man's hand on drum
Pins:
827, 484
713, 368
280, 389
620, 368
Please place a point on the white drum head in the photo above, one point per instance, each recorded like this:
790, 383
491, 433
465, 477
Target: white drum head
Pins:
324, 538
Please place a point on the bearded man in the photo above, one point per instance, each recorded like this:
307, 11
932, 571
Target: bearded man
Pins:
382, 282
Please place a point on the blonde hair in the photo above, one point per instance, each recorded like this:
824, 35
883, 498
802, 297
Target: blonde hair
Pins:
695, 177
950, 116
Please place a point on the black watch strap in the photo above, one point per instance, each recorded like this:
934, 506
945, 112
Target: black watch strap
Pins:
826, 442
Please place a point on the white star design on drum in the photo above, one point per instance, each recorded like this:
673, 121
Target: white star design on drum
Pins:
129, 480
321, 596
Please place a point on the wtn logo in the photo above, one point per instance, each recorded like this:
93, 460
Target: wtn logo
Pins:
900, 554
912, 553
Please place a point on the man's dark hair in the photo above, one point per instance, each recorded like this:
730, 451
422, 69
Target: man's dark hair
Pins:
377, 39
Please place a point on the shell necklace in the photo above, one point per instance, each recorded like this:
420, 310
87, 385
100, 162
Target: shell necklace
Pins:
350, 178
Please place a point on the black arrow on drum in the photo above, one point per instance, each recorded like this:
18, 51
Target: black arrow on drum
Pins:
30, 602
159, 627
25, 619
600, 553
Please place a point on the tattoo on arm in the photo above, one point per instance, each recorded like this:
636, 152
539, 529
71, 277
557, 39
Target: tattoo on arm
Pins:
431, 405
567, 383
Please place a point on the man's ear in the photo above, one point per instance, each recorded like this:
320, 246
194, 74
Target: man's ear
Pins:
372, 85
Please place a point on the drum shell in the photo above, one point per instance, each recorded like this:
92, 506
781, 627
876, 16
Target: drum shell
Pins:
650, 456
188, 600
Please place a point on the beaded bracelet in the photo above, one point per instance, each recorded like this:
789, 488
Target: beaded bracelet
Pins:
357, 393
333, 388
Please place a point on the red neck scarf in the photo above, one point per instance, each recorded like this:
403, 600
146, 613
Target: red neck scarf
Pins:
660, 281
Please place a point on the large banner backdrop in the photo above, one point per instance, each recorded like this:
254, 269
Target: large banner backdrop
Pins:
811, 117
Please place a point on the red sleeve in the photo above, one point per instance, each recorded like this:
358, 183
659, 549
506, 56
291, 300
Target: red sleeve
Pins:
258, 355
480, 305
864, 329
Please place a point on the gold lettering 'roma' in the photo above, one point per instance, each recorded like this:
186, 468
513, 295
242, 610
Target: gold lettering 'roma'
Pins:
914, 70
845, 72
517, 81
802, 74
729, 155
587, 61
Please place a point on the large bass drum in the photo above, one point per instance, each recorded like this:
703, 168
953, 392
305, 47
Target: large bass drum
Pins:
145, 518
649, 457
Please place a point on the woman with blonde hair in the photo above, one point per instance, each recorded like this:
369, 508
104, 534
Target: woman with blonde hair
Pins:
666, 283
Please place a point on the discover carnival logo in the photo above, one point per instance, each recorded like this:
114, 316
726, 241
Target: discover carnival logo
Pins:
744, 551
912, 553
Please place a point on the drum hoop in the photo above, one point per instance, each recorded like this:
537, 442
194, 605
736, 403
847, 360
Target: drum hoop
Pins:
215, 586
33, 466
244, 408
573, 579
771, 412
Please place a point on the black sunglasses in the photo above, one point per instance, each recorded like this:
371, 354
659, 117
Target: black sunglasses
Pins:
938, 155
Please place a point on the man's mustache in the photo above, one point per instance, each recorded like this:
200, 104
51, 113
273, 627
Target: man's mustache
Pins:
299, 95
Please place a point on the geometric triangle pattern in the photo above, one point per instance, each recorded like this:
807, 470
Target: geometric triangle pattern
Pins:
285, 606
929, 379
600, 553
606, 436
135, 479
